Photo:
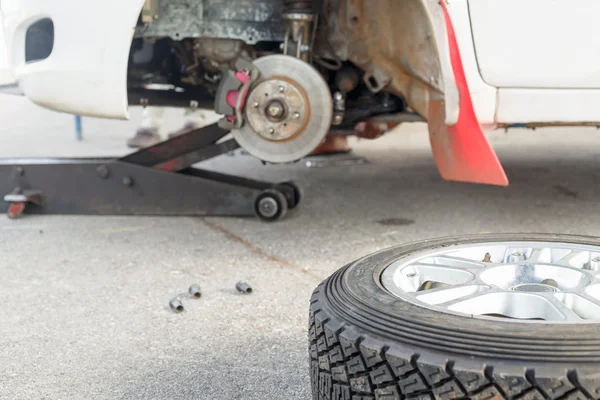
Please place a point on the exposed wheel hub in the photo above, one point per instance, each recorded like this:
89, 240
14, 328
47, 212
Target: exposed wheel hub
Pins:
279, 111
288, 110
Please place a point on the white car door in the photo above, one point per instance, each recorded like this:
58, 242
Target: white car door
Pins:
537, 43
543, 56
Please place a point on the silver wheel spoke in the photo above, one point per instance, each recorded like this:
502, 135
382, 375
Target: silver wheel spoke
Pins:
470, 297
460, 262
538, 254
446, 295
569, 314
514, 281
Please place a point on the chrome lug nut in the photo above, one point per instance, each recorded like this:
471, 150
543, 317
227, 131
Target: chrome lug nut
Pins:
176, 305
243, 287
516, 257
195, 291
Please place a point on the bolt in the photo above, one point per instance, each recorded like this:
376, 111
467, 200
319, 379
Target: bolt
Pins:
102, 171
271, 131
195, 291
516, 257
281, 89
296, 115
275, 110
338, 96
127, 181
176, 305
243, 287
594, 264
255, 104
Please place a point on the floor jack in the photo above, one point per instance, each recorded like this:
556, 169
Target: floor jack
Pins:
158, 180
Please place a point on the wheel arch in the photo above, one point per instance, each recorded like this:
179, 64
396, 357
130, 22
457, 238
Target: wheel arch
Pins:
404, 45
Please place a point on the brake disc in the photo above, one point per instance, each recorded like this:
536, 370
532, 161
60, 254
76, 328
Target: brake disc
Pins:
288, 111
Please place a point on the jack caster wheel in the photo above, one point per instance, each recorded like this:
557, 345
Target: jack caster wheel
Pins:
15, 210
292, 192
271, 205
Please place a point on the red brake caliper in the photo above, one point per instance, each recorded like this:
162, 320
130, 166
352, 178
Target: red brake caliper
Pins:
461, 151
233, 96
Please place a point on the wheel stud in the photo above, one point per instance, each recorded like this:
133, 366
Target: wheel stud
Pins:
516, 257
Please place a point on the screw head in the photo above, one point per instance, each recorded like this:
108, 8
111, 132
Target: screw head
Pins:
338, 96
271, 131
296, 115
127, 181
255, 104
102, 171
281, 89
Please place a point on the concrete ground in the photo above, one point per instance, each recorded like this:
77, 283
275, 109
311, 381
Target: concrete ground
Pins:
84, 299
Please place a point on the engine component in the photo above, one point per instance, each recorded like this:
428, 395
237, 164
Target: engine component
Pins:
219, 51
339, 107
300, 33
250, 20
288, 111
347, 79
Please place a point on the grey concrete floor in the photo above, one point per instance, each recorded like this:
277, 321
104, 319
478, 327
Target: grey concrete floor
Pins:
84, 299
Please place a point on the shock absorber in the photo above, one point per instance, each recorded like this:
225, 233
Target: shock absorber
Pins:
301, 19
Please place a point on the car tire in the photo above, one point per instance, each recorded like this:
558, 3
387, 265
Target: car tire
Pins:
367, 344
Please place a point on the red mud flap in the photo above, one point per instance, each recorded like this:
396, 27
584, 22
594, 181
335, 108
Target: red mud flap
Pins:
461, 151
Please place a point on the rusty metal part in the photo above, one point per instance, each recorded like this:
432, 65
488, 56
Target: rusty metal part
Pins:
377, 126
291, 103
347, 79
339, 108
309, 110
250, 20
218, 50
300, 34
393, 42
150, 11
533, 125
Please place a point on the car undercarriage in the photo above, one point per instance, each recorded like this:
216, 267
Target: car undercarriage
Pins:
284, 73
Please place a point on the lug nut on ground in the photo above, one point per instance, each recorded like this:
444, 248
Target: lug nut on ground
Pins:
176, 305
195, 291
243, 287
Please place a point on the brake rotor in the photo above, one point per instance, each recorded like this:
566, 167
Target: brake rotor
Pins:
288, 111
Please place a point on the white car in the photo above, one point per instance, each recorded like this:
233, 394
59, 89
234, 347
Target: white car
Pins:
286, 73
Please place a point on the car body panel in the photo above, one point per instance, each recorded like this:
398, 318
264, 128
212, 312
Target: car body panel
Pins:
537, 43
86, 73
6, 76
